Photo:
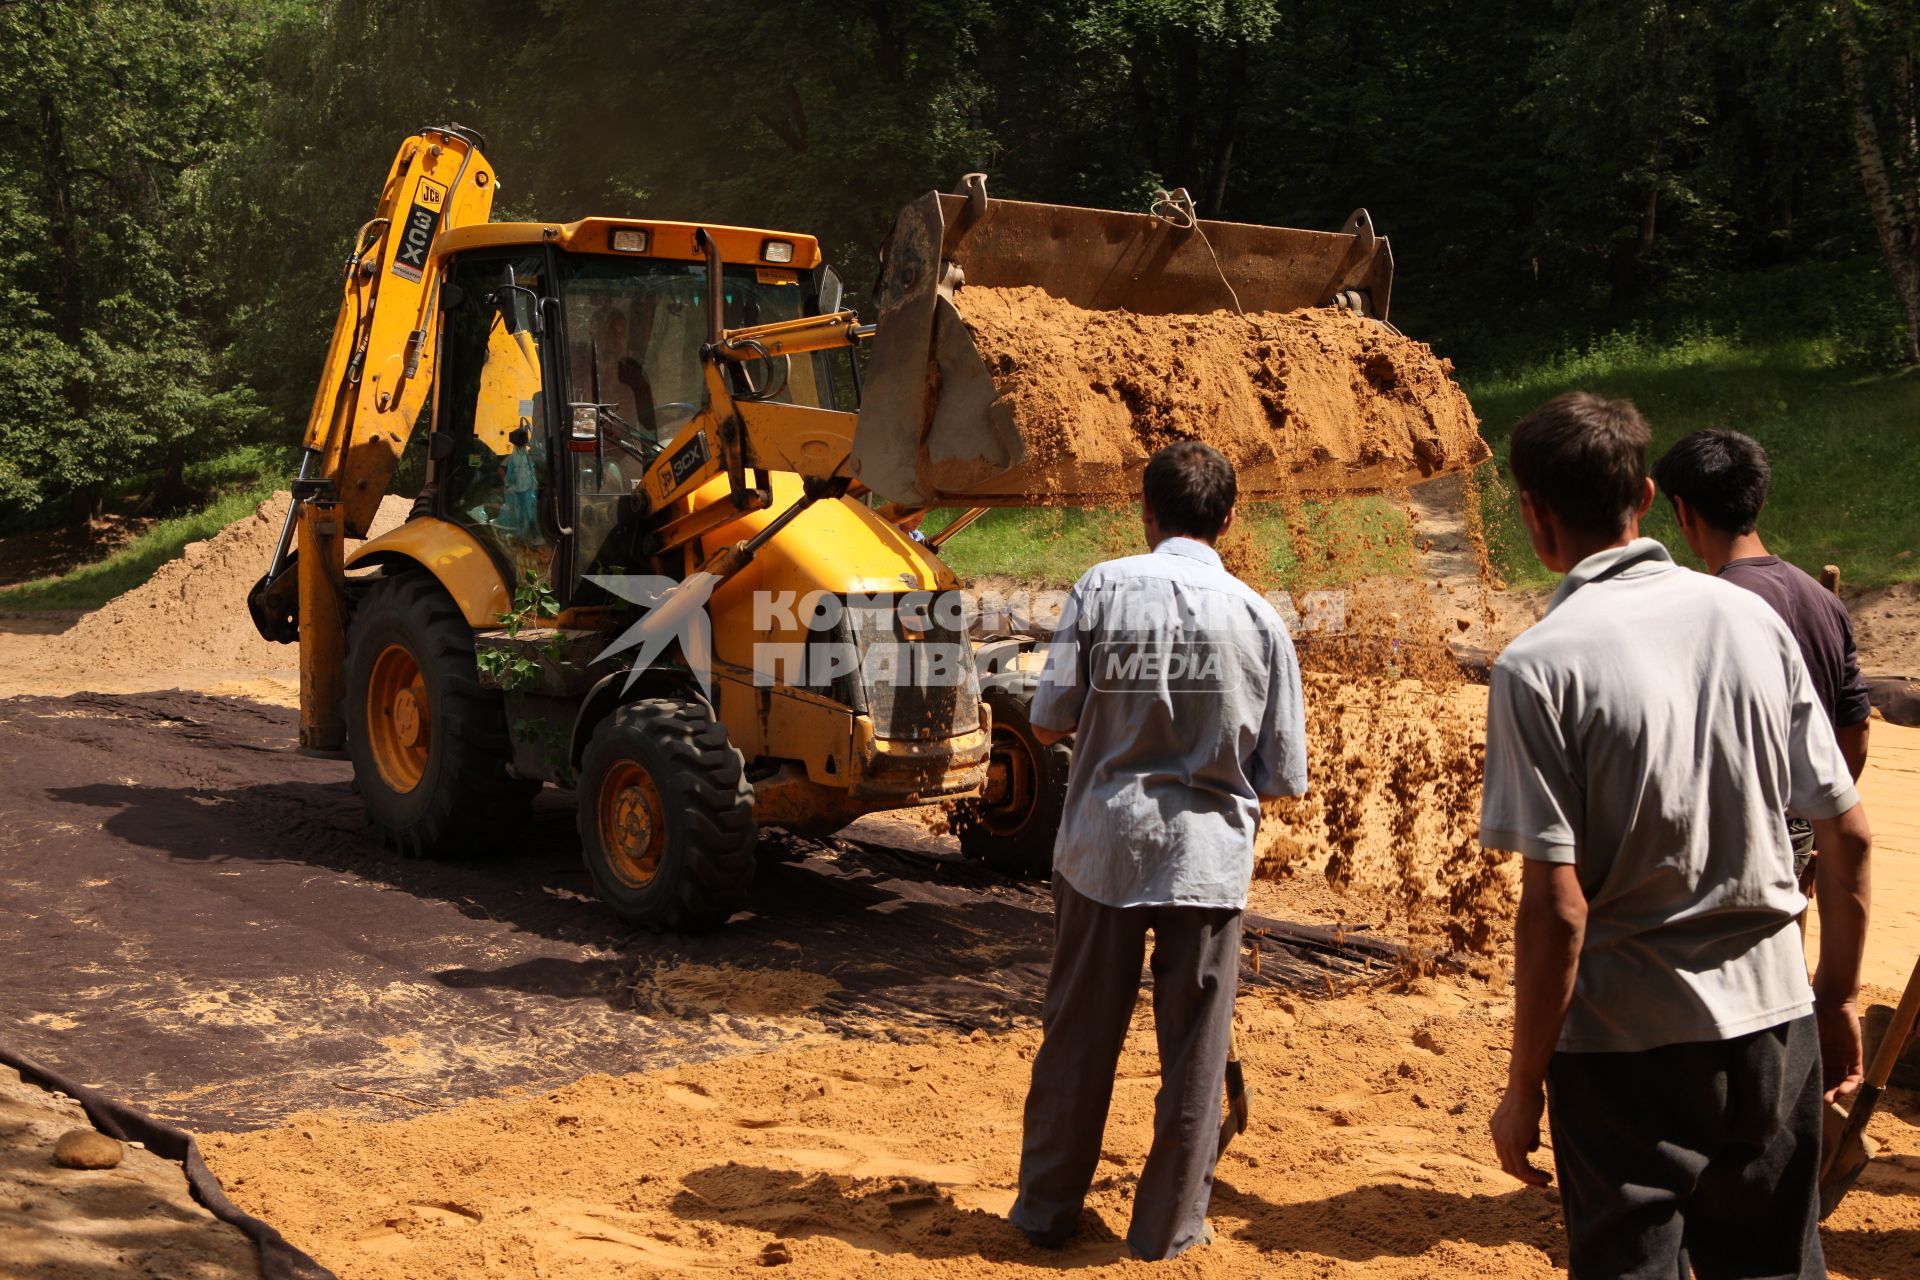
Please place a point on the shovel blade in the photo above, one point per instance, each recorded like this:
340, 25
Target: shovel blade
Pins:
1844, 1149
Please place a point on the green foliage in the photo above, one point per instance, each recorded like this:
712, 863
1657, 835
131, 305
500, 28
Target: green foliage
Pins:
110, 324
1545, 172
511, 668
532, 598
1841, 440
179, 178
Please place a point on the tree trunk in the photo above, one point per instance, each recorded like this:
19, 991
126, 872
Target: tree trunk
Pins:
1907, 122
1216, 195
1222, 162
787, 120
87, 503
1896, 231
62, 219
1184, 169
170, 492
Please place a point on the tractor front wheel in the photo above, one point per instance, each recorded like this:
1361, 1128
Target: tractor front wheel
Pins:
1012, 824
666, 816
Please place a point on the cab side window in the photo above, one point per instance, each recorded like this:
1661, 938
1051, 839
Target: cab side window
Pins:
499, 481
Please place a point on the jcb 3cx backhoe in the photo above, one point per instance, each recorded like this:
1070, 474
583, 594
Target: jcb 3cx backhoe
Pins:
631, 410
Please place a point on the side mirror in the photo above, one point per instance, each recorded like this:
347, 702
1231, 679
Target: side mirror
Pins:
832, 291
505, 300
502, 301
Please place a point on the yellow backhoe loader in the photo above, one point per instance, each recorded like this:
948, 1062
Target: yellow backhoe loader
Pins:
659, 555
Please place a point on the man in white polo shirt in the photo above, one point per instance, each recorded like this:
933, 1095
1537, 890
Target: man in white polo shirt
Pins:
1644, 740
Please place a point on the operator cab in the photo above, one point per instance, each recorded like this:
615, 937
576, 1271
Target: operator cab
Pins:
568, 363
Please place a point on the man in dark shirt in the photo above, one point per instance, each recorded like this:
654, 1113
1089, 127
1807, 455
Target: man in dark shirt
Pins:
1717, 482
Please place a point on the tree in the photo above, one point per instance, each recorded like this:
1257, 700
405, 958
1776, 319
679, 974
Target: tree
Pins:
106, 340
1879, 79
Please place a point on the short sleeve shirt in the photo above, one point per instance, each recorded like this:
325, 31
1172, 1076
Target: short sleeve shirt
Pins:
1651, 731
1818, 623
1182, 689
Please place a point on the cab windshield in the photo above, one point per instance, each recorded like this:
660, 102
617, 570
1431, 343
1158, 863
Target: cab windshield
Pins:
634, 331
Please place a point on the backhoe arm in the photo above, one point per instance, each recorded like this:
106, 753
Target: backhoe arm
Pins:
736, 433
378, 371
380, 361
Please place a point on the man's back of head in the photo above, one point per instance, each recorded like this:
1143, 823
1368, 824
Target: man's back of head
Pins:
1188, 491
1583, 457
1722, 475
1717, 481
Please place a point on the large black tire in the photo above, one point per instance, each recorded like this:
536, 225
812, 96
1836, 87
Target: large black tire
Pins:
452, 796
666, 816
1012, 827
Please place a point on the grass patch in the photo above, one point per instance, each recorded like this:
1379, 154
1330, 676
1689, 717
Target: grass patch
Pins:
1846, 459
91, 586
1326, 543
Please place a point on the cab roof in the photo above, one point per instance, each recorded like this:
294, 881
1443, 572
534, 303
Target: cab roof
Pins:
672, 241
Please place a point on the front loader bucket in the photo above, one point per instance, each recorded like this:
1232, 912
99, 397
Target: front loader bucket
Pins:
936, 426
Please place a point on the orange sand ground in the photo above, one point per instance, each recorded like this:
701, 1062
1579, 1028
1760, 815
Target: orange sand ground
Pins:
1891, 791
1368, 1152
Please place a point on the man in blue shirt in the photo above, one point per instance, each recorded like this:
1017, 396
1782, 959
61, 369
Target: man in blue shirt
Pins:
1181, 687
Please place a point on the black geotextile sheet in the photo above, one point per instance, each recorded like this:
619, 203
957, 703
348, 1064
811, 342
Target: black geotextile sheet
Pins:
203, 920
278, 1259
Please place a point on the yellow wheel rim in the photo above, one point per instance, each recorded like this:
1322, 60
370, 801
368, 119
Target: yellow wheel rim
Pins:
399, 720
633, 826
1013, 782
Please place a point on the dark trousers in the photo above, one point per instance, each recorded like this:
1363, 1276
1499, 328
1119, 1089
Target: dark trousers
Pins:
1091, 992
1705, 1153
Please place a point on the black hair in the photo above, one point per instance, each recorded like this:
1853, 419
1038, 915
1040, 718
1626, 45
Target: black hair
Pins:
1723, 475
1190, 488
518, 436
1584, 458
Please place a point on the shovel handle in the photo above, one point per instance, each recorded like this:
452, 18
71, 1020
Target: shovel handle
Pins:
1838, 1178
1894, 1039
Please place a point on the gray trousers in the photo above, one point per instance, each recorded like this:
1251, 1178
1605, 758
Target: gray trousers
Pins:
1705, 1153
1091, 993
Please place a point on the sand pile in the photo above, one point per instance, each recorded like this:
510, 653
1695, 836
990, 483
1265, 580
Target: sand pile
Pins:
1318, 399
192, 614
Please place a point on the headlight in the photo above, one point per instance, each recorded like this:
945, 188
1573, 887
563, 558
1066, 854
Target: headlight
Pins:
629, 240
777, 251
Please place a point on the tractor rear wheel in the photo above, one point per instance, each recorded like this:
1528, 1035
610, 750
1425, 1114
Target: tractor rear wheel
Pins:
666, 816
1012, 824
428, 742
